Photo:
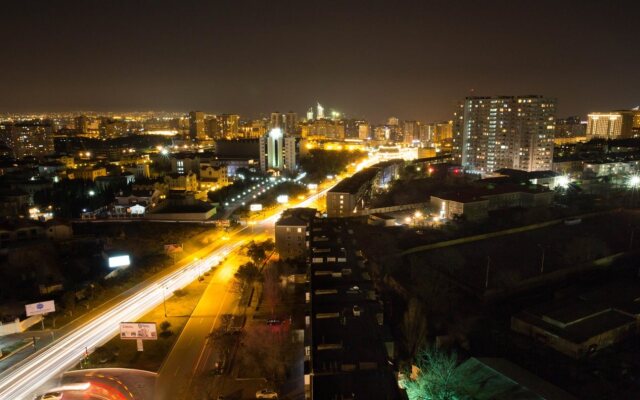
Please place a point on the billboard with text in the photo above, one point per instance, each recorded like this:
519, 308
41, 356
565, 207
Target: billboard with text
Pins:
138, 330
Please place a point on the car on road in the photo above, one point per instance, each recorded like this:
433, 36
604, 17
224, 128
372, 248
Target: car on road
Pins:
266, 394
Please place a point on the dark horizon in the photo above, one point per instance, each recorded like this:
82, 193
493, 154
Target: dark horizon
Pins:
373, 61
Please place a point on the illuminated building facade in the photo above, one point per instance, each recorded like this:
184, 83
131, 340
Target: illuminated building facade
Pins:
277, 151
610, 125
516, 132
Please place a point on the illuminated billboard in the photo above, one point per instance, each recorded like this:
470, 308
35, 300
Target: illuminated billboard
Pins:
138, 330
43, 307
282, 199
255, 207
119, 261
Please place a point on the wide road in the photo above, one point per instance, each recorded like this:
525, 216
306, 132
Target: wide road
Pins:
192, 354
26, 378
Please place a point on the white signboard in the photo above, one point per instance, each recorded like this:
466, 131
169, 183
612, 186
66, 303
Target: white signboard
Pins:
40, 308
138, 330
119, 261
255, 207
282, 199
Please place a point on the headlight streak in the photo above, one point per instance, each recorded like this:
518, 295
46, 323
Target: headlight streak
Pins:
27, 376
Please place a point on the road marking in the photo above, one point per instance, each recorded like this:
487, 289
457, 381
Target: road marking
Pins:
195, 368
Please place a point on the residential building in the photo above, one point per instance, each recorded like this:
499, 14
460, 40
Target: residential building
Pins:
610, 125
182, 163
290, 123
292, 232
570, 128
585, 323
351, 194
490, 133
213, 176
182, 182
89, 173
349, 351
364, 131
196, 125
410, 131
278, 152
29, 139
275, 121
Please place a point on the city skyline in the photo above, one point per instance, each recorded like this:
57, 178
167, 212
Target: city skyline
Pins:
253, 58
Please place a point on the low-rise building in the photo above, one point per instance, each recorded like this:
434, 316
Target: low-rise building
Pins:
187, 182
586, 323
182, 206
89, 173
292, 232
213, 176
474, 203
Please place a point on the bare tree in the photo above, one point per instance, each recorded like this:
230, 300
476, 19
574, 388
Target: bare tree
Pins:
414, 326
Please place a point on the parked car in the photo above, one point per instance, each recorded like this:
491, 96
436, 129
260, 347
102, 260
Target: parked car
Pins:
266, 394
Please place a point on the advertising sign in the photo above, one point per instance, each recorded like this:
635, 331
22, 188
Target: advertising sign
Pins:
119, 261
282, 199
40, 308
255, 207
138, 330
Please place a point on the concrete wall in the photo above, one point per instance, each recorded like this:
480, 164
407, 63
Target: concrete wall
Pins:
18, 326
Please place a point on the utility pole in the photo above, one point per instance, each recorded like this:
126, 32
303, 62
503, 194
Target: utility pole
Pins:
542, 259
486, 279
164, 302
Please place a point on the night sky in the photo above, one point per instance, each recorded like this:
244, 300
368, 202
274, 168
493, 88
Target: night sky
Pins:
412, 60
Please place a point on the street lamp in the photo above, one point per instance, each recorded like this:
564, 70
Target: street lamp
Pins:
164, 300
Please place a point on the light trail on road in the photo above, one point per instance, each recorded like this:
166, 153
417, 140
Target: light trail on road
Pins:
25, 378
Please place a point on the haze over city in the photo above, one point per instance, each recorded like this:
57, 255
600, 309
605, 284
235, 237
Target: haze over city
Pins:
371, 60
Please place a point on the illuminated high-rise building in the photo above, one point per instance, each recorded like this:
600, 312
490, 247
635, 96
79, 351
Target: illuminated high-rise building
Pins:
410, 131
426, 134
364, 131
610, 125
275, 121
310, 114
196, 125
320, 113
490, 133
230, 125
277, 151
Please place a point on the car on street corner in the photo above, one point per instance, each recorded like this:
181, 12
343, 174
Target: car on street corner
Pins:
266, 394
